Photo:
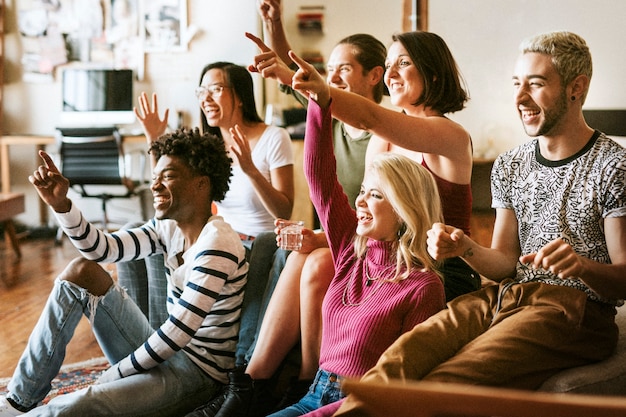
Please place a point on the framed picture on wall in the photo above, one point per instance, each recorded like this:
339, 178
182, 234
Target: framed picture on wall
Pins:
163, 25
122, 34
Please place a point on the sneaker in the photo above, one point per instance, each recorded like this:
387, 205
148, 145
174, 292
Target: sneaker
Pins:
7, 410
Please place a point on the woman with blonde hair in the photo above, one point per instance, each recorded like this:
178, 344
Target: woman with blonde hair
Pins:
385, 282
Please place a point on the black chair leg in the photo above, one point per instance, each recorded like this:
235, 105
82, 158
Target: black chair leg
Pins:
105, 218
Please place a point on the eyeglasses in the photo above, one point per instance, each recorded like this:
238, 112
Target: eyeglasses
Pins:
214, 90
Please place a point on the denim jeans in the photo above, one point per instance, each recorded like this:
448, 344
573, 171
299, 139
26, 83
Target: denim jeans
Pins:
325, 389
260, 258
146, 283
173, 388
251, 324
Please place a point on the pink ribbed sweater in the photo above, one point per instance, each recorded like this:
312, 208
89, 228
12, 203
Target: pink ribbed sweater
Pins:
354, 336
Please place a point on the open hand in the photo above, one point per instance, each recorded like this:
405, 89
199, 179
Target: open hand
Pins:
148, 116
242, 150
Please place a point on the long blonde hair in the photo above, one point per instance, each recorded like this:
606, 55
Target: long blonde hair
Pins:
412, 192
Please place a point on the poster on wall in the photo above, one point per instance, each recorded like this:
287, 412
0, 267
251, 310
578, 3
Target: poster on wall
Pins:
123, 36
163, 25
109, 33
41, 29
101, 33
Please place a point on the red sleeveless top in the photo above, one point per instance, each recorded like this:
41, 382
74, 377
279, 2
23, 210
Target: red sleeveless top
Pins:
456, 201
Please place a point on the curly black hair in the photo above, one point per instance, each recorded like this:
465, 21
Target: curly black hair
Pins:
205, 153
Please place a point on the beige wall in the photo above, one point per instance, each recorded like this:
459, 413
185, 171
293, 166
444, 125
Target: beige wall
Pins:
483, 35
33, 108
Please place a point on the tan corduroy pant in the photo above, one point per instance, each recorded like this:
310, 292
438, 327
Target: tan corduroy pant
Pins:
507, 335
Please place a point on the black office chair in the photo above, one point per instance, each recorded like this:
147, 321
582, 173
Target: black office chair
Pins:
95, 157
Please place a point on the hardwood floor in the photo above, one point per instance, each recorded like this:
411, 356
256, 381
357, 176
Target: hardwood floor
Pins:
25, 284
24, 287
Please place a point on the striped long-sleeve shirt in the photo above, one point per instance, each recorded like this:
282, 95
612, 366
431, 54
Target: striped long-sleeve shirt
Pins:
205, 292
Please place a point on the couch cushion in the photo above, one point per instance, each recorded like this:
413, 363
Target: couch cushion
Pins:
607, 377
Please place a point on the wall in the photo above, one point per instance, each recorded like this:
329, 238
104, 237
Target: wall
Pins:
173, 75
484, 36
34, 108
341, 18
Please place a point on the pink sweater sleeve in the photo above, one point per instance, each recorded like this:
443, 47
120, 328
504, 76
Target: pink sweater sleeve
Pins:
320, 168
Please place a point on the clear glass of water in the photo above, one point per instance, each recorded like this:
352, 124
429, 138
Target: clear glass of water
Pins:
291, 234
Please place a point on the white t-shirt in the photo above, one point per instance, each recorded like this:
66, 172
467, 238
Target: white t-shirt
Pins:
242, 208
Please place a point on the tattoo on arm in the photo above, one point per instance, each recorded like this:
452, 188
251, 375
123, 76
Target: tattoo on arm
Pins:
467, 253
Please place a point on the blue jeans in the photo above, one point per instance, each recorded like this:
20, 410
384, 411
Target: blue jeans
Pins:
251, 322
325, 389
173, 388
261, 260
146, 283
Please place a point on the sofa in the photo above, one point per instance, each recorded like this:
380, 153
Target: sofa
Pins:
603, 378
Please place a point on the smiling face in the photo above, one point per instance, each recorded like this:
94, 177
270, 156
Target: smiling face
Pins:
540, 98
172, 189
221, 110
403, 80
376, 217
346, 73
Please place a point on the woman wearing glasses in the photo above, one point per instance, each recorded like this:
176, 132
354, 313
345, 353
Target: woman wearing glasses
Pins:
261, 187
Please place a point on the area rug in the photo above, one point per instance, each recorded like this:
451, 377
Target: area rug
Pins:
71, 377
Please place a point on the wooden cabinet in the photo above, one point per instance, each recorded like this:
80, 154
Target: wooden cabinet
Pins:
302, 206
481, 185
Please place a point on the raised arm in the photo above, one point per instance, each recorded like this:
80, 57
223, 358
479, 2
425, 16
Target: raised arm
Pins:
438, 136
433, 135
148, 115
271, 14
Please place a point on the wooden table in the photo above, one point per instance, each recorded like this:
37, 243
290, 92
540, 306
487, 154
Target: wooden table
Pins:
11, 204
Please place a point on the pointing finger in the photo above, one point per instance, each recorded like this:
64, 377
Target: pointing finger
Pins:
262, 46
49, 162
299, 61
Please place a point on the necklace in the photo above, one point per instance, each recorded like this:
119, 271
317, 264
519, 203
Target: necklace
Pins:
368, 280
352, 280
